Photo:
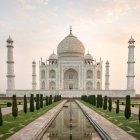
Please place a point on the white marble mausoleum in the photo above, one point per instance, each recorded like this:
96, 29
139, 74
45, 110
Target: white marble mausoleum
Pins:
70, 72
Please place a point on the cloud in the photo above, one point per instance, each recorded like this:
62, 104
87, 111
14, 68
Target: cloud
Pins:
101, 12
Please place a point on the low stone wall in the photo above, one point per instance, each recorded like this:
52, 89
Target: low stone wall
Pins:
2, 94
73, 93
37, 128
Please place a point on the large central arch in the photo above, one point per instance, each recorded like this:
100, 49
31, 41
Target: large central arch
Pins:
70, 79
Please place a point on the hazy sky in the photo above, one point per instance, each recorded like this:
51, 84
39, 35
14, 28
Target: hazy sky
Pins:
37, 27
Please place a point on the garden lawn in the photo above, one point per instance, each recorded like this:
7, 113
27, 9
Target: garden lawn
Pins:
11, 125
131, 126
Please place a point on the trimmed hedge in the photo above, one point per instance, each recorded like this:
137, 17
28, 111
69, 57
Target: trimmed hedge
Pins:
25, 104
14, 107
32, 103
127, 111
105, 103
117, 107
1, 120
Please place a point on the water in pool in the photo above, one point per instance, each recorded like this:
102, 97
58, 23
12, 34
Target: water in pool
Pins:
71, 124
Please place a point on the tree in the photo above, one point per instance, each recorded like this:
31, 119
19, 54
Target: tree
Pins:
55, 98
85, 98
50, 100
110, 104
14, 107
25, 104
139, 113
47, 101
32, 103
98, 101
41, 100
37, 102
127, 111
117, 107
94, 100
105, 103
101, 101
1, 120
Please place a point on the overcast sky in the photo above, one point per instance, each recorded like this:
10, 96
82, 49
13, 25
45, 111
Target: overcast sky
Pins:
37, 27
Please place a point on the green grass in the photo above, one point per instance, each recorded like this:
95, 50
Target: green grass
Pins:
21, 121
120, 120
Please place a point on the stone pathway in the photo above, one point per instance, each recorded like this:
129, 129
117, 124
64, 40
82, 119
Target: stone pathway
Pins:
35, 129
112, 130
134, 110
8, 110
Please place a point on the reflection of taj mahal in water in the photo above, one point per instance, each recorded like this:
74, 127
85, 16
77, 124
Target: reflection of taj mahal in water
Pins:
80, 127
70, 73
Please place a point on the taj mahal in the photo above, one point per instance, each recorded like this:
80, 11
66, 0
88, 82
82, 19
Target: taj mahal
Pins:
70, 72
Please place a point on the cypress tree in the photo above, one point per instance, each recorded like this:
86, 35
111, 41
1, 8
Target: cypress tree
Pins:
37, 102
98, 101
50, 100
25, 104
14, 107
94, 100
85, 98
32, 103
88, 98
101, 101
139, 113
55, 98
110, 104
41, 100
117, 107
105, 103
127, 111
1, 120
47, 101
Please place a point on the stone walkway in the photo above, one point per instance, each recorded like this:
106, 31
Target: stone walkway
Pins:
8, 110
112, 130
35, 129
134, 110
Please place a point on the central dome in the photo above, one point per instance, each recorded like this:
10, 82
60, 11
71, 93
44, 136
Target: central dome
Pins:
70, 47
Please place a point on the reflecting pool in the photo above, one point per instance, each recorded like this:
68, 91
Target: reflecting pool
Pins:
71, 124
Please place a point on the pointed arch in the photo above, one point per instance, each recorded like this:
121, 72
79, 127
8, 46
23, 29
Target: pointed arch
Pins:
52, 85
98, 85
43, 74
52, 74
43, 85
98, 74
89, 74
89, 85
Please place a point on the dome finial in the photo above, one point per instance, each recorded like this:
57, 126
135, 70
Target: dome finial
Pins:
9, 40
131, 40
70, 29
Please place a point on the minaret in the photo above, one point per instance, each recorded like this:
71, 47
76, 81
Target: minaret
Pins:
34, 75
130, 70
10, 65
107, 76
